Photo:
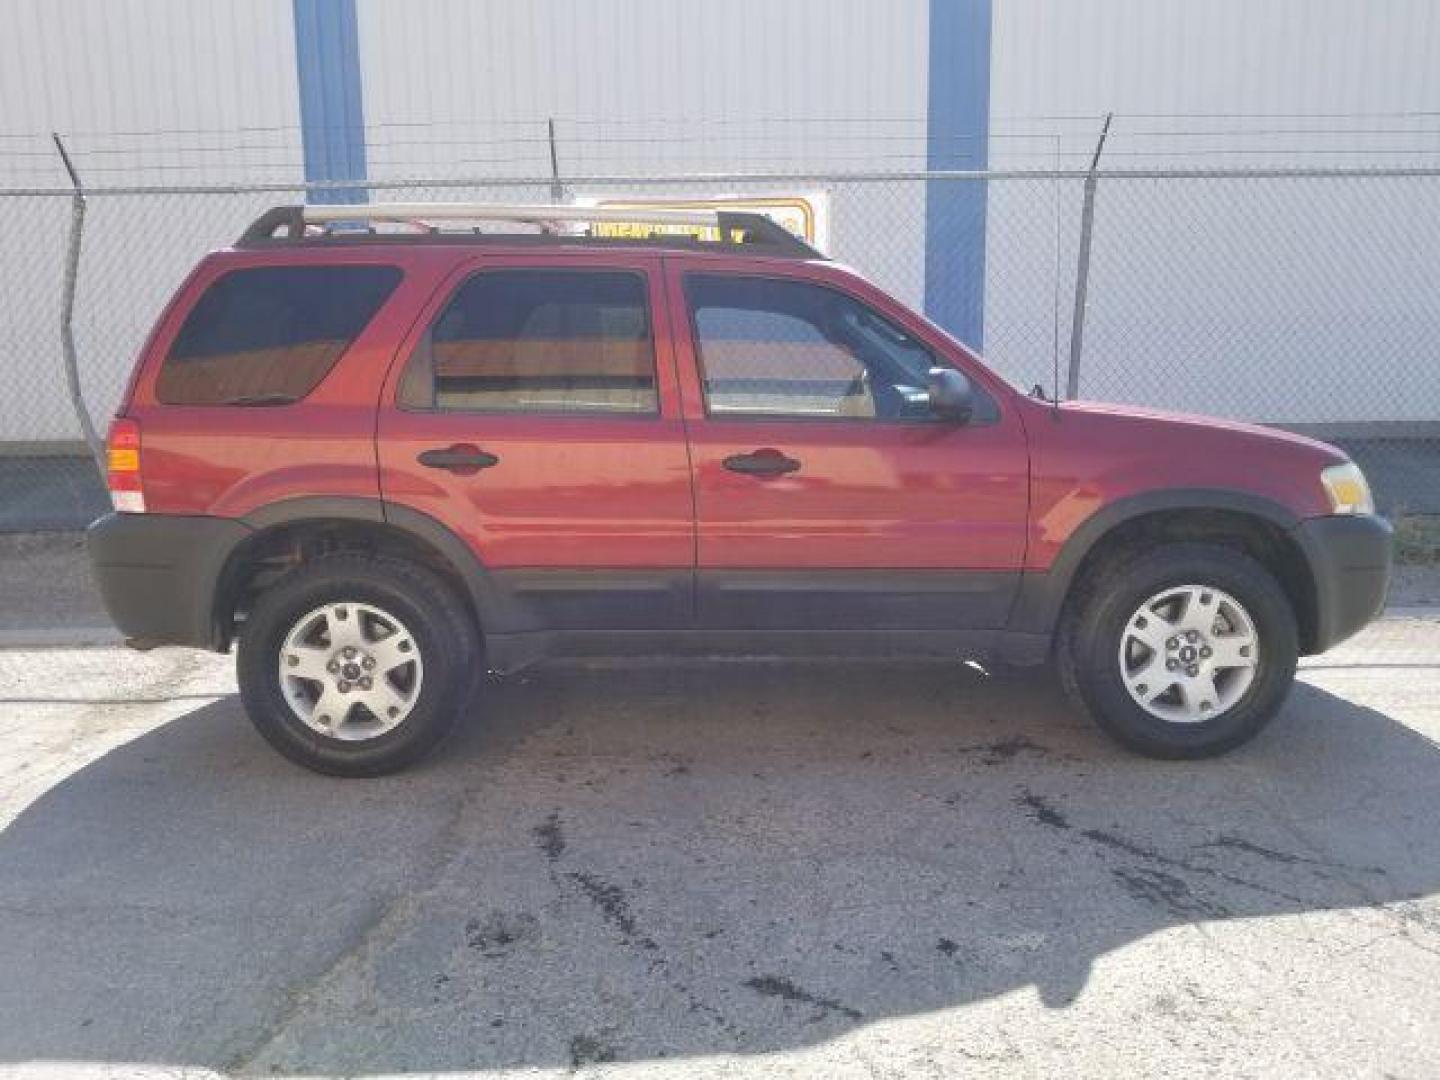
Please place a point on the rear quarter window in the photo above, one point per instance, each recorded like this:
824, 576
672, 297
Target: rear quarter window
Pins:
267, 335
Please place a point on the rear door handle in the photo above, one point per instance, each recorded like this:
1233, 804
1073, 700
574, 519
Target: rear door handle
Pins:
463, 459
766, 461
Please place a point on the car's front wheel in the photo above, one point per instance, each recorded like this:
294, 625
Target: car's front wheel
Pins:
355, 665
1185, 651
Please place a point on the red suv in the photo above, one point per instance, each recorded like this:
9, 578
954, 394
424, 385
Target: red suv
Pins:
385, 461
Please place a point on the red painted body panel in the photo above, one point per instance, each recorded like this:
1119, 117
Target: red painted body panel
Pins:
1085, 456
597, 491
868, 494
226, 461
575, 491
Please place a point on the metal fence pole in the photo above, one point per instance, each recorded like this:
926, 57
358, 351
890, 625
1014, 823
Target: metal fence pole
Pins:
1082, 269
557, 189
67, 312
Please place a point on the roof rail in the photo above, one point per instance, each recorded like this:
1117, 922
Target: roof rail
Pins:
734, 227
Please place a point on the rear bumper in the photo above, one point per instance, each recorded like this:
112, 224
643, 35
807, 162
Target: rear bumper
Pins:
1350, 558
157, 575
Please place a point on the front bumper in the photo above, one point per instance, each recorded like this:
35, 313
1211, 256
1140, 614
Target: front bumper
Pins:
158, 573
1350, 557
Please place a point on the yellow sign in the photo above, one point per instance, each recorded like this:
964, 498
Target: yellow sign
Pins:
804, 215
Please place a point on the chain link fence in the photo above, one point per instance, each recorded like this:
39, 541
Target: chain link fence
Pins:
1300, 299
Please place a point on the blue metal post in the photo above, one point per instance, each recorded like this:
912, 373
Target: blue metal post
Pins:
332, 113
957, 138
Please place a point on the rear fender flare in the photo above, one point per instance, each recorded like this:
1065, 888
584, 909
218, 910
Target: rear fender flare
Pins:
493, 608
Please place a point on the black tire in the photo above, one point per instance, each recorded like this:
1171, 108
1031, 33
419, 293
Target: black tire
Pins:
444, 634
1096, 618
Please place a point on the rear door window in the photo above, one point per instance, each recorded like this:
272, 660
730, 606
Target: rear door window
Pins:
268, 335
539, 341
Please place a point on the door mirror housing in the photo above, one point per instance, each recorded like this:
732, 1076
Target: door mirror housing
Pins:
951, 396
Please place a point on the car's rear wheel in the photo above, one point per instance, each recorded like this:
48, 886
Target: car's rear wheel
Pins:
355, 665
1185, 651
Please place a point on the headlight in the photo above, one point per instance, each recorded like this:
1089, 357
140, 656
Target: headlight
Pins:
1348, 491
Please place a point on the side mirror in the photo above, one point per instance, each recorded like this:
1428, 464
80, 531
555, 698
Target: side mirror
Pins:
951, 397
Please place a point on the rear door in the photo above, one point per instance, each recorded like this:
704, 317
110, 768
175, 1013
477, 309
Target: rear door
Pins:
827, 495
535, 413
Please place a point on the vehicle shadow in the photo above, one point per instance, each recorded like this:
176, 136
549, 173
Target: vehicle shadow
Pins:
666, 862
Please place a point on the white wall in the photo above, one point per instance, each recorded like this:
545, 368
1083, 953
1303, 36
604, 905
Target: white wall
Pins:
148, 89
1195, 288
1299, 81
455, 86
647, 87
144, 91
1282, 300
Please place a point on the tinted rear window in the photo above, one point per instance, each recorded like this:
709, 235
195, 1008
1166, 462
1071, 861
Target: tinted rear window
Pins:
268, 335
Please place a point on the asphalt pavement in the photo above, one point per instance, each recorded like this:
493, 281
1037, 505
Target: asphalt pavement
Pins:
721, 870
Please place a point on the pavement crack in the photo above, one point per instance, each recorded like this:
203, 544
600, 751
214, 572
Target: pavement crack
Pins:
612, 903
1228, 842
1041, 810
372, 934
1157, 887
1141, 851
780, 987
614, 907
550, 837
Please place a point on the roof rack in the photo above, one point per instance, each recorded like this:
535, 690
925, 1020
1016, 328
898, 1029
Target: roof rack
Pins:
319, 222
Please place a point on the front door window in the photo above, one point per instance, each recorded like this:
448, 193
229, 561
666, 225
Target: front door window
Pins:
778, 348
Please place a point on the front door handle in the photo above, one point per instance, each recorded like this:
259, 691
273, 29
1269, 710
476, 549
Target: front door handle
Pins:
463, 459
766, 461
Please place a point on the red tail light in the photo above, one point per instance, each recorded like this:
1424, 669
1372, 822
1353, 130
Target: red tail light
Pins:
123, 471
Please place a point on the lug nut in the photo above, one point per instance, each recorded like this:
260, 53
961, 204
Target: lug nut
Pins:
365, 683
368, 663
344, 687
1192, 636
333, 666
1193, 670
1172, 665
349, 652
1206, 652
1173, 643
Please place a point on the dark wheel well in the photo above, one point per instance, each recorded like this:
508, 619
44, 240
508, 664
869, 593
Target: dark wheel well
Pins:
1262, 540
265, 556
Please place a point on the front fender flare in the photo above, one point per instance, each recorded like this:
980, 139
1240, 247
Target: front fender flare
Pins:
1041, 595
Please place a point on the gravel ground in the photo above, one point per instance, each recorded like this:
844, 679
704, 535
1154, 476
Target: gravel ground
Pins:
49, 595
1414, 586
720, 870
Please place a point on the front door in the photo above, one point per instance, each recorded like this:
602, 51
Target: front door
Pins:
535, 414
828, 497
